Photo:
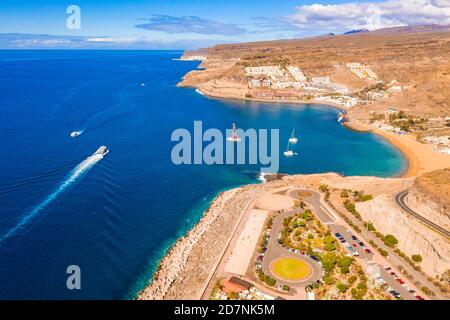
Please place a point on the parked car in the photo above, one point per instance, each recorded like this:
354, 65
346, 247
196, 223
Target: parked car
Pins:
367, 250
354, 238
361, 244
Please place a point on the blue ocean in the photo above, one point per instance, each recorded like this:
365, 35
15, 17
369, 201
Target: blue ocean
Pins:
115, 217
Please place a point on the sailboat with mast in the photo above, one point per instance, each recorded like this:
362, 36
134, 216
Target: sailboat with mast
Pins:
234, 137
293, 139
288, 153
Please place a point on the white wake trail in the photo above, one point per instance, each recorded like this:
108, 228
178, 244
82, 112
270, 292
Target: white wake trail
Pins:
71, 178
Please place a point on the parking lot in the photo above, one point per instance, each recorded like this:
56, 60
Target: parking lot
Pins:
396, 286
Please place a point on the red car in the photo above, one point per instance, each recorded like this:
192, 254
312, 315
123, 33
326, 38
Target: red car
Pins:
367, 250
354, 245
419, 298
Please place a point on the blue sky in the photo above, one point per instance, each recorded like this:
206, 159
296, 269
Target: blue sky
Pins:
181, 24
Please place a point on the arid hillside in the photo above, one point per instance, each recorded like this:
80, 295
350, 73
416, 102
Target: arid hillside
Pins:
430, 194
417, 58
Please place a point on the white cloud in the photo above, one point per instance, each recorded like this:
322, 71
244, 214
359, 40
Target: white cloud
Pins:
372, 15
114, 40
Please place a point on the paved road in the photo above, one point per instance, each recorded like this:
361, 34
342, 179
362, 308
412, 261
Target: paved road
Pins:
276, 250
327, 218
316, 205
400, 200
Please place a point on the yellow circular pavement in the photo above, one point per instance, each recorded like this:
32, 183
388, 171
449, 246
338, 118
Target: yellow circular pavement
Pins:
291, 269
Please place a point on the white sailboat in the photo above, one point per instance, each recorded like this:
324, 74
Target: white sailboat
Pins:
234, 137
293, 139
288, 153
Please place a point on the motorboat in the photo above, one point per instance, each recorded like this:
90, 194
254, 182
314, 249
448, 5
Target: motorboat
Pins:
101, 151
75, 134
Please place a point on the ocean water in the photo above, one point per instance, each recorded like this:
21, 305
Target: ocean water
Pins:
115, 217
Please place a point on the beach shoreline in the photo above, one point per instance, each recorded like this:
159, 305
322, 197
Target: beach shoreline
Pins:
176, 270
412, 167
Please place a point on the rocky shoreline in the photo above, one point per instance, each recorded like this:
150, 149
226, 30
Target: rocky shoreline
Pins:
185, 271
173, 264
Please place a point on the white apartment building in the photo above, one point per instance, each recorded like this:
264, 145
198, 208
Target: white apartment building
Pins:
297, 74
361, 71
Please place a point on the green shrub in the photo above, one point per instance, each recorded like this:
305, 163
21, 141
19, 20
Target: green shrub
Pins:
352, 279
307, 215
390, 240
344, 264
329, 243
328, 279
342, 287
329, 261
383, 252
270, 281
416, 258
369, 226
364, 197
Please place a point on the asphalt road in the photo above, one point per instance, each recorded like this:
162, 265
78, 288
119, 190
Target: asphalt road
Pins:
276, 250
325, 216
400, 200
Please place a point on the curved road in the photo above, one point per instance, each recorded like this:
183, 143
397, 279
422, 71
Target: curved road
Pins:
275, 250
400, 200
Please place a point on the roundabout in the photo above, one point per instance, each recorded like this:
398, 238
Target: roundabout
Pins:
291, 269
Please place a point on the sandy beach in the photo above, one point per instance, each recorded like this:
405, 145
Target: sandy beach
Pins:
421, 157
186, 270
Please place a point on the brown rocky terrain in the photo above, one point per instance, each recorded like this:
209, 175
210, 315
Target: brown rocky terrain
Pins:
430, 195
416, 57
185, 272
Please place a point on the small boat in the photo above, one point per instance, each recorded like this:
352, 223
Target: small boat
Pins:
340, 117
293, 139
142, 84
75, 134
234, 137
288, 153
101, 151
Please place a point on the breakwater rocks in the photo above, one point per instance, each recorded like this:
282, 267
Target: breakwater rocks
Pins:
173, 264
186, 269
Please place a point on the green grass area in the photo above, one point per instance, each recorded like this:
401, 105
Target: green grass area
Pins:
291, 269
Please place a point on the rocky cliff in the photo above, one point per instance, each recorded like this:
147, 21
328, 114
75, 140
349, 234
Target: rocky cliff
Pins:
413, 236
430, 196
